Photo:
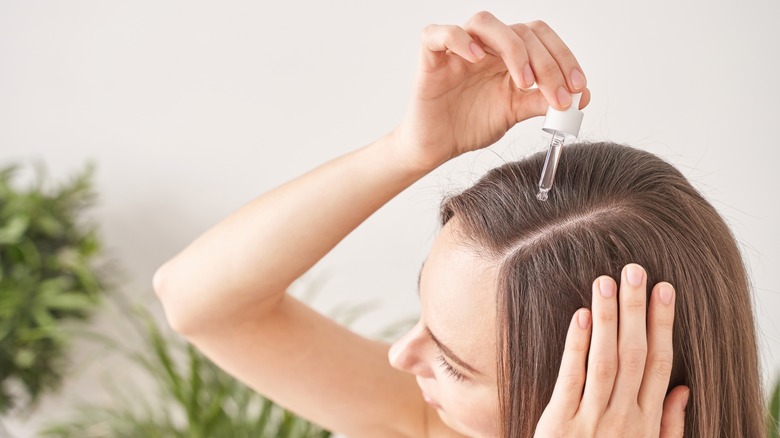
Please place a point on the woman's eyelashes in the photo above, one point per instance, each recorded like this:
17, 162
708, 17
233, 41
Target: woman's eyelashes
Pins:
450, 370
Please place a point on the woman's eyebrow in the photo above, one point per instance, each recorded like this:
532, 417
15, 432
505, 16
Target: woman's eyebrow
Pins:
452, 355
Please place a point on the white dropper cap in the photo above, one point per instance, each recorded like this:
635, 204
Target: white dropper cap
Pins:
566, 122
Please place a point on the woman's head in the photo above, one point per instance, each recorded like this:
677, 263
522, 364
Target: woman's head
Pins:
452, 348
508, 263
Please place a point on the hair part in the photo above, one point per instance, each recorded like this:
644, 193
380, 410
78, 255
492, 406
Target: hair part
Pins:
612, 205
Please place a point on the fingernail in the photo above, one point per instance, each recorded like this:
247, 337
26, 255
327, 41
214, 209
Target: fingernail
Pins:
564, 97
686, 396
634, 275
577, 79
529, 75
476, 50
666, 292
607, 288
583, 318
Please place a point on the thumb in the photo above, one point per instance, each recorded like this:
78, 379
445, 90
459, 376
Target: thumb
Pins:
673, 418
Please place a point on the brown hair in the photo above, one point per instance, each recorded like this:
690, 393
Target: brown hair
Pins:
611, 205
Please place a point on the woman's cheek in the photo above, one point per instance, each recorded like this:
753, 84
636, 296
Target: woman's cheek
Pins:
470, 410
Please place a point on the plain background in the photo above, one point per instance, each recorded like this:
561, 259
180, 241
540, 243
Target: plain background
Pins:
190, 109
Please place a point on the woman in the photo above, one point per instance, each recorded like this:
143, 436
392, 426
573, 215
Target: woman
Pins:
508, 267
226, 291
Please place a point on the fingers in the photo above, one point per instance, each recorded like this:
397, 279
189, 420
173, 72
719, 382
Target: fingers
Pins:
534, 103
567, 393
658, 368
532, 53
585, 98
673, 419
603, 358
551, 68
550, 78
632, 337
502, 40
437, 39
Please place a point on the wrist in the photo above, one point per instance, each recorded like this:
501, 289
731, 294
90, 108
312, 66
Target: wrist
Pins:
408, 156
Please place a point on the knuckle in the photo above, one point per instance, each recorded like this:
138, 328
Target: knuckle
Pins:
538, 26
571, 381
604, 369
521, 30
633, 359
664, 322
634, 304
450, 33
607, 316
576, 345
427, 31
563, 53
662, 366
446, 32
481, 17
549, 68
516, 45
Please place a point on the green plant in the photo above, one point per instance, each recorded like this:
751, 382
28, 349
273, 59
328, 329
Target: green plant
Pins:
48, 278
194, 398
773, 416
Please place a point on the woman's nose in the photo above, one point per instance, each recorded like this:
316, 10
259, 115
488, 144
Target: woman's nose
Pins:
406, 353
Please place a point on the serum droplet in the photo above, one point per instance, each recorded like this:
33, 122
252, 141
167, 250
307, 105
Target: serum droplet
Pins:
542, 194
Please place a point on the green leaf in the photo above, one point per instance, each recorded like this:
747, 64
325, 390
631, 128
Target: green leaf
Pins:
164, 359
49, 225
43, 318
70, 301
90, 245
12, 232
31, 257
773, 417
53, 286
194, 385
24, 358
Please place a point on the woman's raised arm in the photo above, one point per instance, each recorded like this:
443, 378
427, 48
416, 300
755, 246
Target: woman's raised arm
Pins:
225, 292
463, 99
242, 266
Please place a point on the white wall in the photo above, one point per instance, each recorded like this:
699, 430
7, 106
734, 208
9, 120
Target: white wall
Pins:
192, 108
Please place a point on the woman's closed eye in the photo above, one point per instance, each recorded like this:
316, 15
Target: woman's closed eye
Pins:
449, 369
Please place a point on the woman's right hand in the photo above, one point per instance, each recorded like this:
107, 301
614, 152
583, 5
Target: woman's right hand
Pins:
461, 102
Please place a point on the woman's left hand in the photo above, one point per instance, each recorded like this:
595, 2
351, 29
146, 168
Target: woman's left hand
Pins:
627, 375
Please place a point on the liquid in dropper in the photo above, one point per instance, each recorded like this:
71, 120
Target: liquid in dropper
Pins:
550, 164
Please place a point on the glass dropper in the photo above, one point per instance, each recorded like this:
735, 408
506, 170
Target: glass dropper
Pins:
550, 164
562, 125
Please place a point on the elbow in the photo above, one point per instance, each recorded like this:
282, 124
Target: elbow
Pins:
158, 280
171, 305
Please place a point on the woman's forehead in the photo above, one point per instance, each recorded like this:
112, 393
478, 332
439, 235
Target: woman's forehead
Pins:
457, 295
